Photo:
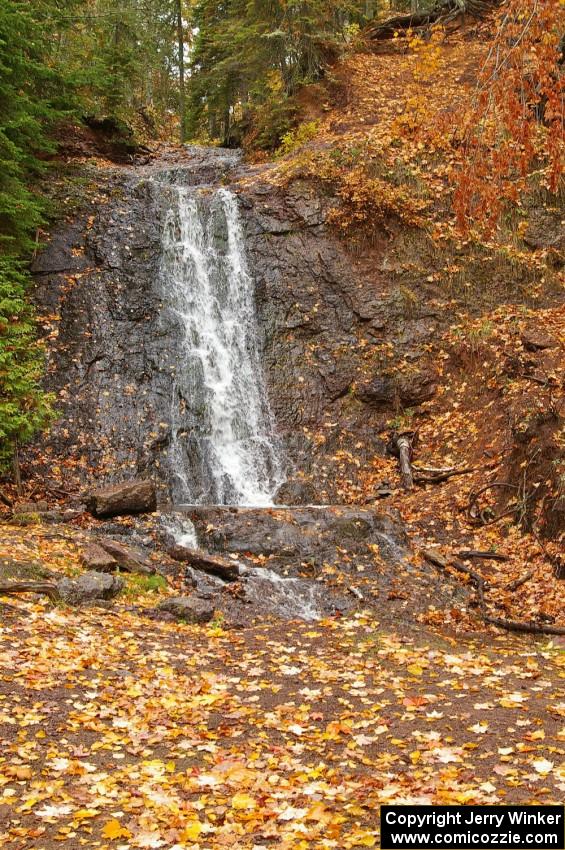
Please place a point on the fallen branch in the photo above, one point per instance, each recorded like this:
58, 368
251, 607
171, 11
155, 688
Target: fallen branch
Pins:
514, 585
487, 556
423, 475
199, 560
480, 586
30, 587
440, 561
517, 626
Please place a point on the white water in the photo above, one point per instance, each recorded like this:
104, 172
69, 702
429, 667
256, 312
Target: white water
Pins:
180, 529
287, 597
223, 448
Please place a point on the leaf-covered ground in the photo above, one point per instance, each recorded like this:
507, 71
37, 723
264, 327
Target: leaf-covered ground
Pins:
117, 732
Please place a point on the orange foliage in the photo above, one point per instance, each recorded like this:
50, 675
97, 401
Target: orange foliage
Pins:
366, 202
515, 126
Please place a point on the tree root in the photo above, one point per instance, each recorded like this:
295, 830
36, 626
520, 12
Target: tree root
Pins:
474, 512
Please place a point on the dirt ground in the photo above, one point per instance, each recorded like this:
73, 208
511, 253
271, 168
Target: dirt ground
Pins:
120, 732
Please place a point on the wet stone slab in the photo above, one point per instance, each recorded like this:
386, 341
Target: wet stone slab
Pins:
290, 535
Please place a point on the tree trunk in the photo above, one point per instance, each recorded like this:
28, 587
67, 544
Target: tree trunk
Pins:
401, 446
182, 103
17, 470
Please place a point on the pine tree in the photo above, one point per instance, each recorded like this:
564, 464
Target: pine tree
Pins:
249, 59
32, 96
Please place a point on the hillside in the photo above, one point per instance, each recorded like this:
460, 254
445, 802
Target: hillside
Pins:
474, 366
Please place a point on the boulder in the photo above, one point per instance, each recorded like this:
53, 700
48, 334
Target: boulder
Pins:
131, 497
24, 570
94, 557
198, 559
545, 231
31, 507
126, 557
89, 587
191, 609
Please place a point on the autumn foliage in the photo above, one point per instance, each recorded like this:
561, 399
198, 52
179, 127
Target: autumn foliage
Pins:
514, 130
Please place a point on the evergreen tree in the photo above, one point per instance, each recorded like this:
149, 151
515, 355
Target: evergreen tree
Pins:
124, 58
250, 57
32, 96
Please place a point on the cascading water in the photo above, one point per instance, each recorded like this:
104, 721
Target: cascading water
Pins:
223, 449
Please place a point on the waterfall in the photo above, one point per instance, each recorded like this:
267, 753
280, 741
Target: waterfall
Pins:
223, 449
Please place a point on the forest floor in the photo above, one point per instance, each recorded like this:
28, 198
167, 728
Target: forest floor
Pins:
117, 732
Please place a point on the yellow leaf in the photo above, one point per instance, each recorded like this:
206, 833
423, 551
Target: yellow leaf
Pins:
415, 669
113, 829
243, 801
82, 814
538, 735
318, 812
364, 840
192, 831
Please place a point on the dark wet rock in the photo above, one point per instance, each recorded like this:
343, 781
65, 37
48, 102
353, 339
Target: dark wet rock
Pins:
409, 390
88, 588
201, 560
207, 586
189, 609
300, 533
126, 557
296, 493
131, 497
94, 557
112, 364
267, 592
